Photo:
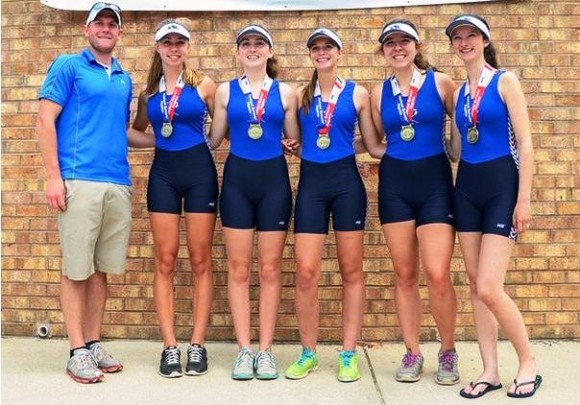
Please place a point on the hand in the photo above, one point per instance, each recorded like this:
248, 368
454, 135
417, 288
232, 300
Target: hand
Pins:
291, 146
55, 194
522, 216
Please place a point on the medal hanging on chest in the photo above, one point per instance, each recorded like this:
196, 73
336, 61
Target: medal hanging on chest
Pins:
406, 110
168, 111
324, 117
472, 111
255, 114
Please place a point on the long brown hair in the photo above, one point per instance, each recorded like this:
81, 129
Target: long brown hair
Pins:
192, 77
420, 60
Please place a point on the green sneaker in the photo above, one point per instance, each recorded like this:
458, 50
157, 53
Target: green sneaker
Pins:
307, 362
348, 366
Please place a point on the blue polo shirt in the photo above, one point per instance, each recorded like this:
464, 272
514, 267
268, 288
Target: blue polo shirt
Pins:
92, 126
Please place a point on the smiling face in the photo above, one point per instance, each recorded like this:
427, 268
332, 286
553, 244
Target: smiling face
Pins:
254, 51
399, 50
103, 33
324, 54
172, 49
468, 43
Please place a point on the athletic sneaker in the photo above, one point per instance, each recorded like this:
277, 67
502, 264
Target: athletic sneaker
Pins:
447, 374
196, 360
348, 366
82, 367
307, 362
411, 368
244, 365
106, 362
170, 365
265, 366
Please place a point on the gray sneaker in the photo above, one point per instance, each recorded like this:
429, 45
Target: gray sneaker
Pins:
447, 374
82, 367
265, 366
106, 362
244, 365
411, 368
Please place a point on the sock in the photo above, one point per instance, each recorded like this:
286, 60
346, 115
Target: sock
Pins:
72, 351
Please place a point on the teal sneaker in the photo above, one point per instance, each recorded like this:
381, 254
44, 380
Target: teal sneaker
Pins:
265, 366
307, 362
244, 365
348, 366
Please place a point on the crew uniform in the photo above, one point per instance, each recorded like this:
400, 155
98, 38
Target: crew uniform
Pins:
329, 179
256, 188
415, 179
487, 177
183, 167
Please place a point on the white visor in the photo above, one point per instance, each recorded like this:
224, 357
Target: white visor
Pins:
254, 30
324, 32
171, 28
398, 27
467, 20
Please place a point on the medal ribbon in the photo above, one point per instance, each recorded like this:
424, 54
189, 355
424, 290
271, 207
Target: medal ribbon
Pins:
324, 117
407, 111
169, 111
472, 111
255, 113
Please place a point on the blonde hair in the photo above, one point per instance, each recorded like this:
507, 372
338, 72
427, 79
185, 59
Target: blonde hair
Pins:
192, 77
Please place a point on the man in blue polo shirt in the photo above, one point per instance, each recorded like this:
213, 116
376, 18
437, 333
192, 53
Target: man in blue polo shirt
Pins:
82, 129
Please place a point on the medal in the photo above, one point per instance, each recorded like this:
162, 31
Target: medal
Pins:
407, 133
166, 129
472, 135
323, 142
255, 131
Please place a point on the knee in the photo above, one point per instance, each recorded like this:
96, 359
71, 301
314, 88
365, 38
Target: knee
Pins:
488, 294
165, 263
269, 273
239, 272
438, 281
352, 275
407, 278
200, 262
307, 276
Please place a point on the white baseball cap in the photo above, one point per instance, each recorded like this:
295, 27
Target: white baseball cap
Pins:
100, 6
326, 33
171, 28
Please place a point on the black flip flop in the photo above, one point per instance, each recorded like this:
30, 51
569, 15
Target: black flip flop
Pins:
488, 388
537, 382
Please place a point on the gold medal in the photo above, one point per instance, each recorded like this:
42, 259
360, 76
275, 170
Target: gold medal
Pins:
166, 129
323, 142
255, 131
407, 133
472, 135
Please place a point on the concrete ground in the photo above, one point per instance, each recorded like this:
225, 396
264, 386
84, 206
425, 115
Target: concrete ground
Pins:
33, 373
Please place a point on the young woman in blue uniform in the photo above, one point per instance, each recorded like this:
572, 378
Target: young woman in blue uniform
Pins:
416, 193
492, 198
182, 177
258, 112
329, 110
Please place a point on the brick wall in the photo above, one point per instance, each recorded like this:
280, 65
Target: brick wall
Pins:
536, 39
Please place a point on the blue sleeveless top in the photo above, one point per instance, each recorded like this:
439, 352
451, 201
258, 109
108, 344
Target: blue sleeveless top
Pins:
188, 121
342, 128
428, 122
269, 145
496, 137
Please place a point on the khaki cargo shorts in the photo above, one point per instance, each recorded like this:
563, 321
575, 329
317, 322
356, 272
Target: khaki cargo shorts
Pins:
94, 230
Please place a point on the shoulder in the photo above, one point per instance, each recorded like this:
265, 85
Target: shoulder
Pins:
300, 90
285, 89
508, 78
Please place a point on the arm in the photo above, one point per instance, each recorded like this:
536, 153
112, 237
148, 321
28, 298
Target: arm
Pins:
206, 90
511, 91
219, 124
137, 136
368, 131
447, 93
453, 145
48, 112
291, 141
